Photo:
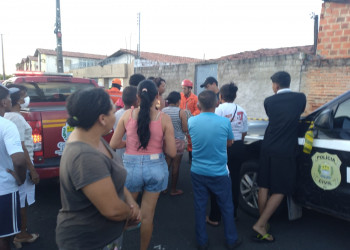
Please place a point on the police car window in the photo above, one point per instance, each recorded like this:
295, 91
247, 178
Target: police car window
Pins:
342, 116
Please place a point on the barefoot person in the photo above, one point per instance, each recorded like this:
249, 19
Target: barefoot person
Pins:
277, 172
146, 130
179, 120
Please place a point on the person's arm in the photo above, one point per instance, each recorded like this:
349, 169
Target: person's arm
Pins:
14, 148
183, 118
136, 212
245, 125
230, 138
103, 195
19, 164
117, 138
196, 109
34, 175
169, 138
244, 135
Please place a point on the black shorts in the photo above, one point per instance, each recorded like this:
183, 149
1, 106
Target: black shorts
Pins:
278, 174
10, 214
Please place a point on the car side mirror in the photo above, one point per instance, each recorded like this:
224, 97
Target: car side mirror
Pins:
324, 120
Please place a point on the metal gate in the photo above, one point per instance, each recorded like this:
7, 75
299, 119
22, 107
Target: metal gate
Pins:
202, 72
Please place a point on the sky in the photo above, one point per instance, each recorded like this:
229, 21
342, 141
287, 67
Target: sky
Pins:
191, 28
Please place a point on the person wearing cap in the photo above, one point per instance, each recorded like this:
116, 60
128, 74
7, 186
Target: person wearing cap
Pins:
114, 92
211, 84
189, 102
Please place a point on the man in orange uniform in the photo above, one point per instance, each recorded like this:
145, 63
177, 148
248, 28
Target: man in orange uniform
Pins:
114, 92
189, 102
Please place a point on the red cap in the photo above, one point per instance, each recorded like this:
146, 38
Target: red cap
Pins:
117, 81
187, 83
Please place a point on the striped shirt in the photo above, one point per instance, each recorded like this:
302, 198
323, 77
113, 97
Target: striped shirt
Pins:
174, 113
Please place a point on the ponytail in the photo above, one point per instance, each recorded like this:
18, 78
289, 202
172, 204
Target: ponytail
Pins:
147, 92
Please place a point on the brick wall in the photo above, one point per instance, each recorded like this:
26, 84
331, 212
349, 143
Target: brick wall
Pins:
323, 80
334, 31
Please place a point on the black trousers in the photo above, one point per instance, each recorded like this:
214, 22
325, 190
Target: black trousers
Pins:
235, 157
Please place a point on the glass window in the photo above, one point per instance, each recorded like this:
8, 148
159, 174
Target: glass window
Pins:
53, 91
342, 115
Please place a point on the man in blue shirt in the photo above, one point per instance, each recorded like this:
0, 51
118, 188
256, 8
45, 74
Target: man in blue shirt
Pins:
211, 134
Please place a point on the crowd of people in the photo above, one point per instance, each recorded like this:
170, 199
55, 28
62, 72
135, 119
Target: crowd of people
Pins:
107, 188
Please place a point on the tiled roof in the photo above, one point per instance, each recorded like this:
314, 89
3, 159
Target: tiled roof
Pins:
69, 54
157, 57
32, 58
308, 49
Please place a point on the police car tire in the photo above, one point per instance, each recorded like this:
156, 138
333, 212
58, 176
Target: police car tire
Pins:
250, 169
248, 201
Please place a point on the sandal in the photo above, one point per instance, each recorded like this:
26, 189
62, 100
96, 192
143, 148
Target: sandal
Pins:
212, 223
18, 241
263, 238
177, 192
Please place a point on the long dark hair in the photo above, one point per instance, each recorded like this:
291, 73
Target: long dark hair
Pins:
147, 91
228, 92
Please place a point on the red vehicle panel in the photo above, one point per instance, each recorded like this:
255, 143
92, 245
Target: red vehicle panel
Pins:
47, 115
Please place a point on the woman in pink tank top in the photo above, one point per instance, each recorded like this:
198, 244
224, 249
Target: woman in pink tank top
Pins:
149, 133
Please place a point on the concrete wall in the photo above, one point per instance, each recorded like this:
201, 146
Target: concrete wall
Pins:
173, 75
252, 77
105, 74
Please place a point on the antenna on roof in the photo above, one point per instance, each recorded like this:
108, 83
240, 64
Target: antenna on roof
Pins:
139, 25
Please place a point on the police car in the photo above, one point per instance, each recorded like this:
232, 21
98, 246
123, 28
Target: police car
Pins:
323, 181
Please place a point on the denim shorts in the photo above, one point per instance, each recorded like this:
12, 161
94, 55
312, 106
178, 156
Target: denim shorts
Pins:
146, 172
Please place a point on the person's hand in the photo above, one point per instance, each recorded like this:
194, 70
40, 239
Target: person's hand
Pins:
14, 174
135, 213
34, 176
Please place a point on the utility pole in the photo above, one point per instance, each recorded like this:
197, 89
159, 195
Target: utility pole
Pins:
3, 60
138, 45
58, 38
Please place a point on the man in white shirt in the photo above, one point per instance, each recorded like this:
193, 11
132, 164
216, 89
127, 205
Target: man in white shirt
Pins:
12, 173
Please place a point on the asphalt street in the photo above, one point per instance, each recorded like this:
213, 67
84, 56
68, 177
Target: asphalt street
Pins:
174, 224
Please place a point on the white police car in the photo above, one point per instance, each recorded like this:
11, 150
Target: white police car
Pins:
323, 181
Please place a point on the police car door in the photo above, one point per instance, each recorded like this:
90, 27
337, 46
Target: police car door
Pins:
324, 174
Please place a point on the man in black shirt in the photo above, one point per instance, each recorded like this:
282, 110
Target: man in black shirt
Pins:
277, 171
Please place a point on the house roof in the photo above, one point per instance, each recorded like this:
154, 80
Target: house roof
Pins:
69, 54
337, 1
157, 57
32, 58
308, 49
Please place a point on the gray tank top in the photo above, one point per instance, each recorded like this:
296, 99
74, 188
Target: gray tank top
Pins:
174, 113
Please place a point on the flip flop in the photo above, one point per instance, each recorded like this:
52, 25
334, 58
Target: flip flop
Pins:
263, 238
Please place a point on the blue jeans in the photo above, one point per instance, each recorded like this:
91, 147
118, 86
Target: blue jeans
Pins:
146, 172
220, 186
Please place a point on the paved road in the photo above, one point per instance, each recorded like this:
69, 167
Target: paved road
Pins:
174, 225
